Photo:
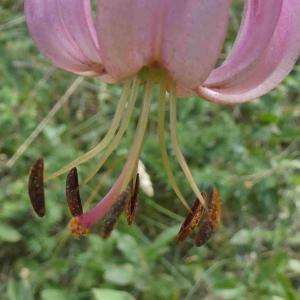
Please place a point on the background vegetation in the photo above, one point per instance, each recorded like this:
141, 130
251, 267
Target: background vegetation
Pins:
249, 152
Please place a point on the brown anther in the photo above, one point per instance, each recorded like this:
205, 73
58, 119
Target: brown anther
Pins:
115, 212
211, 219
36, 187
132, 202
76, 229
191, 220
72, 193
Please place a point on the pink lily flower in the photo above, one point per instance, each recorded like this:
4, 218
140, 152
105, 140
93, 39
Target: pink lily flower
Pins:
171, 43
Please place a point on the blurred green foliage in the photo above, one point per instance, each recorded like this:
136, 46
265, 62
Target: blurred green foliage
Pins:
250, 152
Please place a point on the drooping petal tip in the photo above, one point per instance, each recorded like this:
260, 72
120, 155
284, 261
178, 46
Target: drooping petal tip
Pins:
270, 66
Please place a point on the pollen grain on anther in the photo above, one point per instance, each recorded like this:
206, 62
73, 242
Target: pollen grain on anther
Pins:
131, 206
192, 219
115, 212
36, 187
72, 193
211, 219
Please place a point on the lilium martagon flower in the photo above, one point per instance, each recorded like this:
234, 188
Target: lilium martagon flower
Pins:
174, 44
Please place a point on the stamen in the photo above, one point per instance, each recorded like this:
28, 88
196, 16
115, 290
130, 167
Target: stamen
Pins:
132, 203
113, 216
175, 142
211, 219
119, 135
91, 217
162, 144
36, 187
72, 193
115, 123
191, 221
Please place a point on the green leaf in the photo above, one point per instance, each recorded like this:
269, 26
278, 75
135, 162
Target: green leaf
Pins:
165, 285
229, 289
294, 265
129, 247
121, 275
101, 247
54, 294
268, 118
9, 234
12, 290
105, 294
289, 292
275, 264
166, 237
242, 238
18, 290
161, 244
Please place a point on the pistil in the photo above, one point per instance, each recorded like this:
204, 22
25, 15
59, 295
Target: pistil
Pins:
88, 219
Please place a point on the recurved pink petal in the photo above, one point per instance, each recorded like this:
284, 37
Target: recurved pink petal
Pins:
191, 37
258, 25
269, 68
64, 32
126, 31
